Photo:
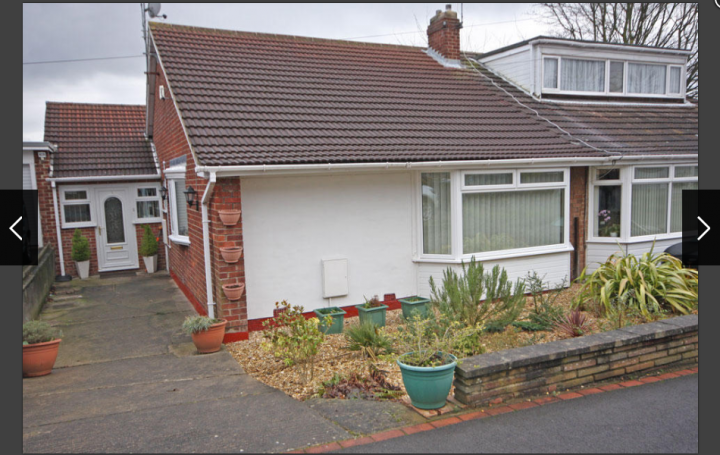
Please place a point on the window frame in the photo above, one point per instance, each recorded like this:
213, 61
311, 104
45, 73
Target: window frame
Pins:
458, 189
136, 216
171, 175
89, 201
627, 182
606, 91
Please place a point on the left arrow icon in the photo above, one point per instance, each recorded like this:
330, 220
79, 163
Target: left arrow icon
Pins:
12, 228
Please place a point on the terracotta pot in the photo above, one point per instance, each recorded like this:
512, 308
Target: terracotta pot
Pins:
229, 217
231, 254
211, 339
233, 291
39, 358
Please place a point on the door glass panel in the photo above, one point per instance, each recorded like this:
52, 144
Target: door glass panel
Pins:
114, 221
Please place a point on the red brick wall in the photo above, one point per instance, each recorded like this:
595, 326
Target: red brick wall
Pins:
47, 216
578, 209
444, 35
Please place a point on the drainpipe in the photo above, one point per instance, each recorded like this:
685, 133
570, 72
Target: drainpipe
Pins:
57, 229
206, 244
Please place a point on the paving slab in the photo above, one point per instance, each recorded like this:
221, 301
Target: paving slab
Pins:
365, 416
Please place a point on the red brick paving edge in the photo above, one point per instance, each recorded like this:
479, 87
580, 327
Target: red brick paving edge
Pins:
488, 412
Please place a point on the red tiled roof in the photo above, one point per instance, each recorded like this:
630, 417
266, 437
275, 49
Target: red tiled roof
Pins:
250, 98
98, 140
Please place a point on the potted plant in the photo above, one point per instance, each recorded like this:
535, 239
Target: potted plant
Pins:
81, 254
233, 291
229, 217
149, 249
207, 334
414, 303
40, 348
231, 254
331, 319
428, 365
372, 311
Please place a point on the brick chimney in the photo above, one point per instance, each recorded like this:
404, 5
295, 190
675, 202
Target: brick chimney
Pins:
444, 33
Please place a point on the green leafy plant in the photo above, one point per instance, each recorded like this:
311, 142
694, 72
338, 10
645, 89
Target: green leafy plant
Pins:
39, 332
424, 347
294, 339
374, 302
649, 284
148, 244
545, 312
369, 339
575, 324
476, 297
80, 247
197, 324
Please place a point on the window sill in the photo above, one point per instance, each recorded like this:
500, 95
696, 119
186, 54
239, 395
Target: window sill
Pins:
496, 256
78, 225
147, 221
180, 240
631, 240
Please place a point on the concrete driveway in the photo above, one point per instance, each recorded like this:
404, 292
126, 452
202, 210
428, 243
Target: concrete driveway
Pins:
128, 380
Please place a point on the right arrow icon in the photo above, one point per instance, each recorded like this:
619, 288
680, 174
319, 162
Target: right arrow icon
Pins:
706, 230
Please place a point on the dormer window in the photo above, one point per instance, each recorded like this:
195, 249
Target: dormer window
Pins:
577, 76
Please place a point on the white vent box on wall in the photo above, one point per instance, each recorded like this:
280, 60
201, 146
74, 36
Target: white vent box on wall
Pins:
335, 277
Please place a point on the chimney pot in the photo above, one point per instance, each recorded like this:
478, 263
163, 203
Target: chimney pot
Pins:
448, 7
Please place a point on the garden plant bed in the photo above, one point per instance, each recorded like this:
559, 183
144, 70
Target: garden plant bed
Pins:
333, 357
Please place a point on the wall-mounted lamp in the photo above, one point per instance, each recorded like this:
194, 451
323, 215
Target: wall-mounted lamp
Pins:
190, 196
163, 193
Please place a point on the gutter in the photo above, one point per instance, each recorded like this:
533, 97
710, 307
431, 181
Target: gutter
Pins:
623, 47
57, 229
262, 169
104, 178
206, 244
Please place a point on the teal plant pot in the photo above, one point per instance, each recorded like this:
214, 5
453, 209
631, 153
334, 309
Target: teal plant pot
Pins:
338, 317
415, 303
373, 315
428, 387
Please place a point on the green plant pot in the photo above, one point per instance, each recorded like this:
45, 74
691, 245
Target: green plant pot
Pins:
373, 315
416, 303
338, 317
427, 387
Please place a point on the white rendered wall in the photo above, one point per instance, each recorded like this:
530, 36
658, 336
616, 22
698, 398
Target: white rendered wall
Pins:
599, 252
291, 223
516, 67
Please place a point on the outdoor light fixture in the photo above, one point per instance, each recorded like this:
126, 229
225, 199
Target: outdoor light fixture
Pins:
190, 195
163, 193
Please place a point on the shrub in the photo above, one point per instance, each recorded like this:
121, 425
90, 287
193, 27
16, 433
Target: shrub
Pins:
460, 297
372, 303
368, 338
574, 324
545, 313
427, 348
294, 339
651, 284
80, 247
39, 332
148, 244
196, 324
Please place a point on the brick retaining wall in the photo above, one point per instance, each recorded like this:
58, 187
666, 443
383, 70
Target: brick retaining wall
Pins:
559, 365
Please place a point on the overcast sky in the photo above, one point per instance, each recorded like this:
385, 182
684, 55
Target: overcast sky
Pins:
80, 31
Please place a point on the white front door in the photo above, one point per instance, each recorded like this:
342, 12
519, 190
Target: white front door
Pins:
117, 242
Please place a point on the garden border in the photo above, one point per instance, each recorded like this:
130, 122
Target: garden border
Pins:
505, 375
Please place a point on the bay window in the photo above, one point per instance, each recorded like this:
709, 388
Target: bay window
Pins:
494, 213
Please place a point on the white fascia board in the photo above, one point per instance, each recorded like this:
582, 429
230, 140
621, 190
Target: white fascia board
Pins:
621, 47
105, 178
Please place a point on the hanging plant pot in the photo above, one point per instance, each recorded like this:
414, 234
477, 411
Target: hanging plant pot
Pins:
231, 254
233, 291
229, 217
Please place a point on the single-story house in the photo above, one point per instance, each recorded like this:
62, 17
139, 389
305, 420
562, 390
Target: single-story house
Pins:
363, 169
97, 173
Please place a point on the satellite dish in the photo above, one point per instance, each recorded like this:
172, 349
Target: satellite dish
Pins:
153, 9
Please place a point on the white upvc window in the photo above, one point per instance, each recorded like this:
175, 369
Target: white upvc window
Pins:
611, 77
493, 214
147, 204
76, 207
175, 183
639, 203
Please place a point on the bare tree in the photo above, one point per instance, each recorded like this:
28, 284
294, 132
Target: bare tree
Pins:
672, 25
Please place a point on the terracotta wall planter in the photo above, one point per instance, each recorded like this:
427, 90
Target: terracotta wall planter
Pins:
39, 358
229, 217
231, 254
233, 291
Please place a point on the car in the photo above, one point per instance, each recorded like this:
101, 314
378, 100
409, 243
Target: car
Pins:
686, 251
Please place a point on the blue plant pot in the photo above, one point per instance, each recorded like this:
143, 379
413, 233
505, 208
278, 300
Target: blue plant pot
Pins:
428, 387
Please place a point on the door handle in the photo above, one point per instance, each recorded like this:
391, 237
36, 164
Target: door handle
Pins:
100, 230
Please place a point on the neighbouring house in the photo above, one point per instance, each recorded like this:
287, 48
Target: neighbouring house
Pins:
365, 169
96, 172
